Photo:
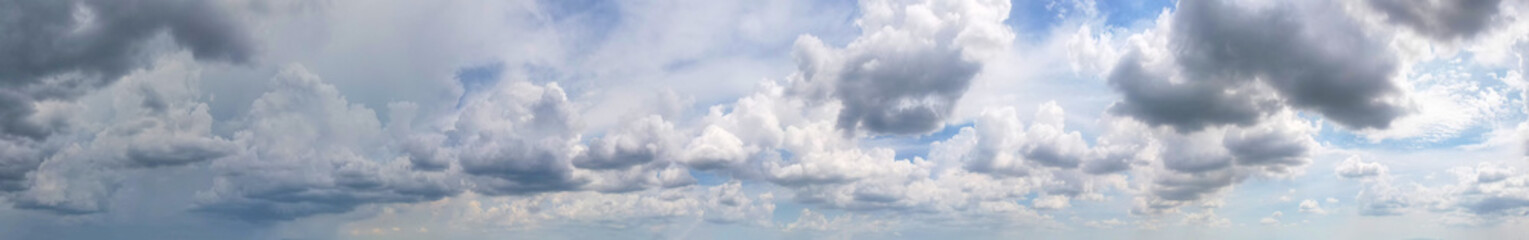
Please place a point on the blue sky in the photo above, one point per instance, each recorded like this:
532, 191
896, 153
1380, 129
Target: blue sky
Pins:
788, 119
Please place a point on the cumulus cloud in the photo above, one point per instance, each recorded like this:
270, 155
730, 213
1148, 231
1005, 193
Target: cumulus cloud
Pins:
1354, 167
1218, 93
1311, 206
60, 50
1443, 20
1189, 168
519, 138
715, 148
909, 68
305, 152
1007, 147
637, 142
1226, 64
155, 122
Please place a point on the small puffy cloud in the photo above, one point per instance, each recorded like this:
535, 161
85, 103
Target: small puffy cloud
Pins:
1355, 168
1311, 206
715, 148
1006, 146
1272, 219
60, 50
1207, 218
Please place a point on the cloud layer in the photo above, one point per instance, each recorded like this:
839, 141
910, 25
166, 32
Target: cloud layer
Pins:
884, 119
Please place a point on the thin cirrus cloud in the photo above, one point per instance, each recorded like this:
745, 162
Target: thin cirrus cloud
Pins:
789, 119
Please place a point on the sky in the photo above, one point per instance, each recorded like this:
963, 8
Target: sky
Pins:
779, 119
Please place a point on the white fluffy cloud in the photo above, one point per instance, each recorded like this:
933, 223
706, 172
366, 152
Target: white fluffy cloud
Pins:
1354, 167
551, 119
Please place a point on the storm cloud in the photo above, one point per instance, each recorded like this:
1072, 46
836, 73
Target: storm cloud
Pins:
906, 73
1230, 65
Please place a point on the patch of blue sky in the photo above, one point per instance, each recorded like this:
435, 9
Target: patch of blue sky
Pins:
787, 211
708, 178
1125, 13
1034, 19
477, 77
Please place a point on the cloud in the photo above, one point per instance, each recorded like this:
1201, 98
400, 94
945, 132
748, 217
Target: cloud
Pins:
1188, 168
637, 142
1354, 167
1484, 195
1225, 64
908, 69
1442, 20
61, 50
305, 152
518, 139
1492, 192
1311, 206
1272, 219
153, 120
715, 148
18, 159
671, 211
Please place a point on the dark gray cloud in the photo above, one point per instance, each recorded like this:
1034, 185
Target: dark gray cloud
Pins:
908, 69
105, 38
59, 50
1237, 65
17, 158
1441, 19
1276, 151
1111, 159
902, 92
1188, 106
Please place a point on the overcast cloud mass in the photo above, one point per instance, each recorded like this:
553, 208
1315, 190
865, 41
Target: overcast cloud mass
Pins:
781, 119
